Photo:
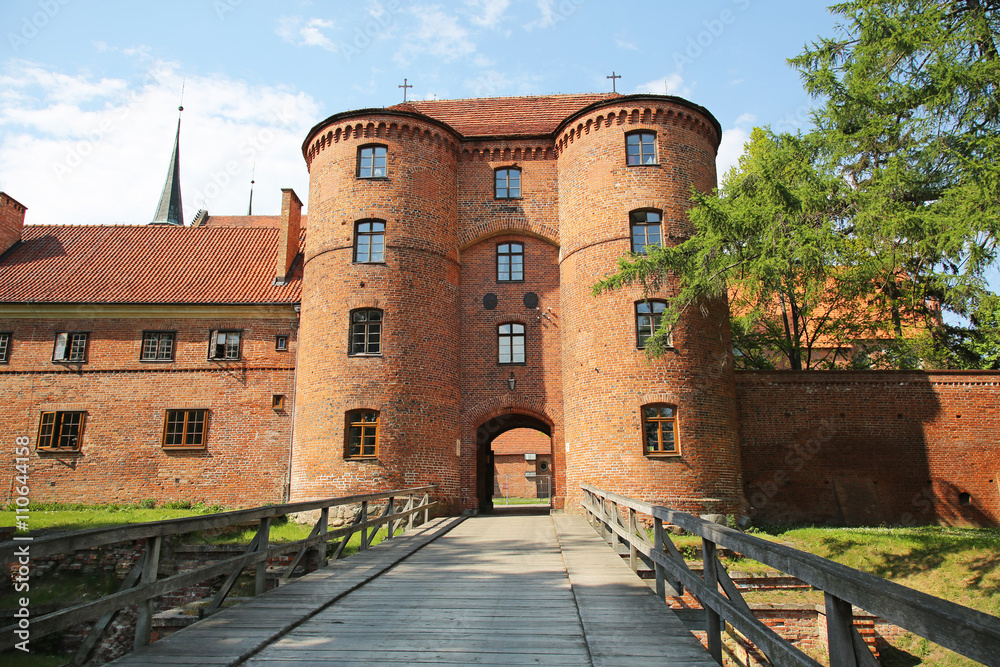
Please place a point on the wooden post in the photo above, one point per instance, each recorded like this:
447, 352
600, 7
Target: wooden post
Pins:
389, 527
324, 528
427, 512
839, 619
602, 518
144, 615
264, 532
364, 529
661, 583
409, 518
713, 624
632, 551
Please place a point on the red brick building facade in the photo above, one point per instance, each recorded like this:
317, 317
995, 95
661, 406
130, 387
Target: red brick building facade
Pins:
438, 297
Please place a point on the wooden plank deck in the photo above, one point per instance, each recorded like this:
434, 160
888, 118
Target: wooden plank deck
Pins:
499, 590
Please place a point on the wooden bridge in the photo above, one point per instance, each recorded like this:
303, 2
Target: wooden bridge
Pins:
496, 590
490, 590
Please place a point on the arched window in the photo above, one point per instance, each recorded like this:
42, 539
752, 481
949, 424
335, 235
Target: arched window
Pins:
645, 229
647, 320
510, 343
361, 434
369, 241
507, 184
371, 162
366, 331
659, 429
510, 262
640, 148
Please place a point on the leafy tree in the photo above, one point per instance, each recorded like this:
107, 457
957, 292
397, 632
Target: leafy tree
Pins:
911, 118
877, 222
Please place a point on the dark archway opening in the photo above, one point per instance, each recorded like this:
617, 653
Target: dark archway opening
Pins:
485, 435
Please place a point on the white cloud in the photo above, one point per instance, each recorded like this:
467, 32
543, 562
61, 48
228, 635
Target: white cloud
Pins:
625, 41
294, 30
668, 85
487, 13
733, 143
547, 18
437, 35
75, 149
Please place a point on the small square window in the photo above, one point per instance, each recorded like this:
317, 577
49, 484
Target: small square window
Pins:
281, 343
640, 148
61, 431
277, 402
645, 228
224, 345
157, 346
369, 241
5, 340
648, 315
362, 434
510, 262
71, 346
366, 331
185, 429
659, 427
371, 162
507, 184
510, 343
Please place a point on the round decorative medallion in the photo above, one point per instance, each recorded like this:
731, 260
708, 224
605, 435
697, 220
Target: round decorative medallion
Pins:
490, 301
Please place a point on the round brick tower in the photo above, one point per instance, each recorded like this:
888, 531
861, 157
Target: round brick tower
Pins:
664, 430
377, 387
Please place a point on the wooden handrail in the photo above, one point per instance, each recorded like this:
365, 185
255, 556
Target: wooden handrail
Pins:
141, 591
966, 631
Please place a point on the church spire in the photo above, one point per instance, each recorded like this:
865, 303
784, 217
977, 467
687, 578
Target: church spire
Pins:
170, 211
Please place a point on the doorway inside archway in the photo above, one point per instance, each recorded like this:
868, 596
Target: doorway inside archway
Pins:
507, 447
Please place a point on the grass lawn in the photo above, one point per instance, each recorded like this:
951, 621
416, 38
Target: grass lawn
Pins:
501, 501
79, 517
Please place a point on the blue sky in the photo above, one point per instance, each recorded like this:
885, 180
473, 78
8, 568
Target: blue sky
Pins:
89, 90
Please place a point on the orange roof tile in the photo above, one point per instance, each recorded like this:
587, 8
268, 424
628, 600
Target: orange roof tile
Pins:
268, 221
144, 264
505, 116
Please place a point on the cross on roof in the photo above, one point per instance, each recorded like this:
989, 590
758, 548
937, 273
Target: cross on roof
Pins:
613, 77
404, 87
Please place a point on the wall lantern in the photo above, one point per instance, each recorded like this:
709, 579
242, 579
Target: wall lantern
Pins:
511, 381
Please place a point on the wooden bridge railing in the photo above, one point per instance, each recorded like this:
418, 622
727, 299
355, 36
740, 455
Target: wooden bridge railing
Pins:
968, 632
141, 584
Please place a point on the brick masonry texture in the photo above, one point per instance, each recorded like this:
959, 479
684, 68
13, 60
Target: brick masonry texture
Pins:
839, 447
120, 458
871, 448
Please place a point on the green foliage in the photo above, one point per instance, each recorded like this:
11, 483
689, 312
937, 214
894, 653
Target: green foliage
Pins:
862, 233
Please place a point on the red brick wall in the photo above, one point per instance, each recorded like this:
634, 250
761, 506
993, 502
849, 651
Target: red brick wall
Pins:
511, 480
414, 384
11, 221
895, 447
606, 379
121, 458
522, 441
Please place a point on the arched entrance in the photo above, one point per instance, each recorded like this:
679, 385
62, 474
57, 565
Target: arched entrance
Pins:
486, 433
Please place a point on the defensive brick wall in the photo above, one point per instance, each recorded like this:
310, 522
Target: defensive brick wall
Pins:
120, 456
892, 447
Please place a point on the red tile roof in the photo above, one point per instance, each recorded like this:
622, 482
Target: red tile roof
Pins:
506, 116
144, 264
269, 221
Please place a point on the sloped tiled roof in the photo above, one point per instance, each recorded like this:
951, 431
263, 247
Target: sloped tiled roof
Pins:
270, 221
144, 264
505, 116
